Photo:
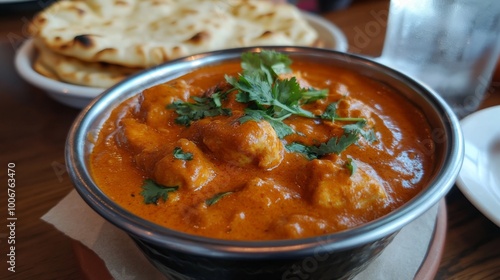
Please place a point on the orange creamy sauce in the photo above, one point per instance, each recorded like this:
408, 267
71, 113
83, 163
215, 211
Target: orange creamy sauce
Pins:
280, 197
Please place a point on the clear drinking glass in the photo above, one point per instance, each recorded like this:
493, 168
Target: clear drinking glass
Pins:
450, 45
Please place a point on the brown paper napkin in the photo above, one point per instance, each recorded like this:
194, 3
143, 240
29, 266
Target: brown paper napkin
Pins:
72, 216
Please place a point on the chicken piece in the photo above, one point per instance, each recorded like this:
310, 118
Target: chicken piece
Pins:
241, 144
137, 136
146, 144
332, 186
186, 173
154, 100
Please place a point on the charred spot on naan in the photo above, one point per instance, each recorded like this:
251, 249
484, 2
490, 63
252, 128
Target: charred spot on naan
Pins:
199, 38
85, 40
266, 33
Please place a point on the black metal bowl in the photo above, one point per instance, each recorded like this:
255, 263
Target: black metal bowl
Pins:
334, 256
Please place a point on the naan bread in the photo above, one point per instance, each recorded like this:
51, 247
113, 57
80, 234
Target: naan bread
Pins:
75, 71
144, 33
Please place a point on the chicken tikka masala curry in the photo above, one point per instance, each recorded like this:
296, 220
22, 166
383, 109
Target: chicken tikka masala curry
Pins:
260, 149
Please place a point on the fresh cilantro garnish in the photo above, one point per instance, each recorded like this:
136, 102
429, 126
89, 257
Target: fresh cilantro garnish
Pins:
330, 112
259, 86
277, 99
268, 63
273, 99
202, 107
357, 128
351, 166
180, 154
335, 145
211, 201
152, 191
312, 95
281, 128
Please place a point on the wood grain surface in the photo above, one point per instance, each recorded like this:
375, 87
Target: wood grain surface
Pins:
33, 131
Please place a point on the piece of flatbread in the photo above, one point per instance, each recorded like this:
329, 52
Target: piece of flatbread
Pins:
75, 71
144, 33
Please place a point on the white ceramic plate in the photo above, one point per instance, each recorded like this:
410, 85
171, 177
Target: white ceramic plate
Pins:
79, 96
479, 178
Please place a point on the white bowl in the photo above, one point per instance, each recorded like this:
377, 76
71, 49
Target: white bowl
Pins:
80, 96
330, 34
72, 95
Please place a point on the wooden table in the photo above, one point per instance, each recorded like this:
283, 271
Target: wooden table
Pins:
33, 131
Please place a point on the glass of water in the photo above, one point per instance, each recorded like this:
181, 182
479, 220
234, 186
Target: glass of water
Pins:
450, 45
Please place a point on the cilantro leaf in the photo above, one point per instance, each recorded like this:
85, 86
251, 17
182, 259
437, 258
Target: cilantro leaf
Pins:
312, 95
278, 99
271, 62
180, 154
351, 166
252, 87
202, 107
288, 96
330, 112
334, 145
357, 128
211, 201
152, 191
300, 148
281, 128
